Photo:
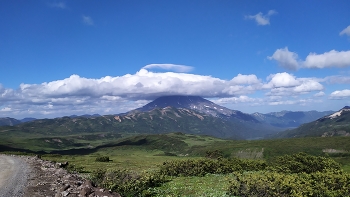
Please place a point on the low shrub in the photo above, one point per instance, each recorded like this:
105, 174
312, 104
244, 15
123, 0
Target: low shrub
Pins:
214, 154
267, 183
166, 154
102, 159
127, 183
72, 168
302, 162
201, 167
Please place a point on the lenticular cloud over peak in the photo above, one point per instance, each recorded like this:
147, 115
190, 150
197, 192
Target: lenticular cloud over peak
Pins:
146, 84
173, 67
142, 84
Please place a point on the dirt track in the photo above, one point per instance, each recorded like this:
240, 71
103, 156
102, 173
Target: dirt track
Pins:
25, 176
13, 176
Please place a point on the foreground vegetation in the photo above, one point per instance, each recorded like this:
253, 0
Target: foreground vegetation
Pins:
291, 175
180, 164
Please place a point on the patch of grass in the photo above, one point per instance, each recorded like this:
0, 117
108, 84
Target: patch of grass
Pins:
209, 185
129, 158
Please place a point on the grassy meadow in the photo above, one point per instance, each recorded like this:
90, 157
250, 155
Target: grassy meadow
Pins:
147, 153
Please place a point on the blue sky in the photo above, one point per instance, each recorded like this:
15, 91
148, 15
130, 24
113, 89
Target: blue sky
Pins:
83, 57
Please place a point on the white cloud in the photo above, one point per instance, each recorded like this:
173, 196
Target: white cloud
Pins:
282, 80
319, 94
285, 59
173, 67
340, 94
87, 20
328, 59
111, 98
285, 84
239, 99
245, 79
345, 31
5, 109
288, 102
141, 85
262, 19
289, 60
302, 102
338, 79
308, 86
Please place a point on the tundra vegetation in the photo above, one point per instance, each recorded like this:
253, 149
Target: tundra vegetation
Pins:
178, 164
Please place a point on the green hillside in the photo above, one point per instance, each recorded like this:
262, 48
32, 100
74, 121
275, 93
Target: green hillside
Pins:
82, 132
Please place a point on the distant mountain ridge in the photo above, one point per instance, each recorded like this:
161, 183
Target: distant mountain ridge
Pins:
27, 119
171, 114
12, 121
335, 124
155, 121
6, 121
187, 114
290, 119
9, 121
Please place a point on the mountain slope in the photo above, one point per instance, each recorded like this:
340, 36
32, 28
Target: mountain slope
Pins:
9, 121
156, 121
199, 104
290, 119
336, 124
253, 128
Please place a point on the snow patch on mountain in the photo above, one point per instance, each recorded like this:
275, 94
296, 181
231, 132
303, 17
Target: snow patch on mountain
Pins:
339, 113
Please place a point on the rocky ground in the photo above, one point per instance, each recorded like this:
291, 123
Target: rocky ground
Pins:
46, 178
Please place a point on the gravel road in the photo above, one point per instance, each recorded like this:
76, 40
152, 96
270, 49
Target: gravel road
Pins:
28, 176
14, 173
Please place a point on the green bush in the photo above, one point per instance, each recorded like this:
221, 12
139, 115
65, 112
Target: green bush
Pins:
266, 183
127, 183
214, 154
102, 159
302, 162
201, 167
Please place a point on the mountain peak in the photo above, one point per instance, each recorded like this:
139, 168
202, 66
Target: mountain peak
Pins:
188, 102
196, 103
